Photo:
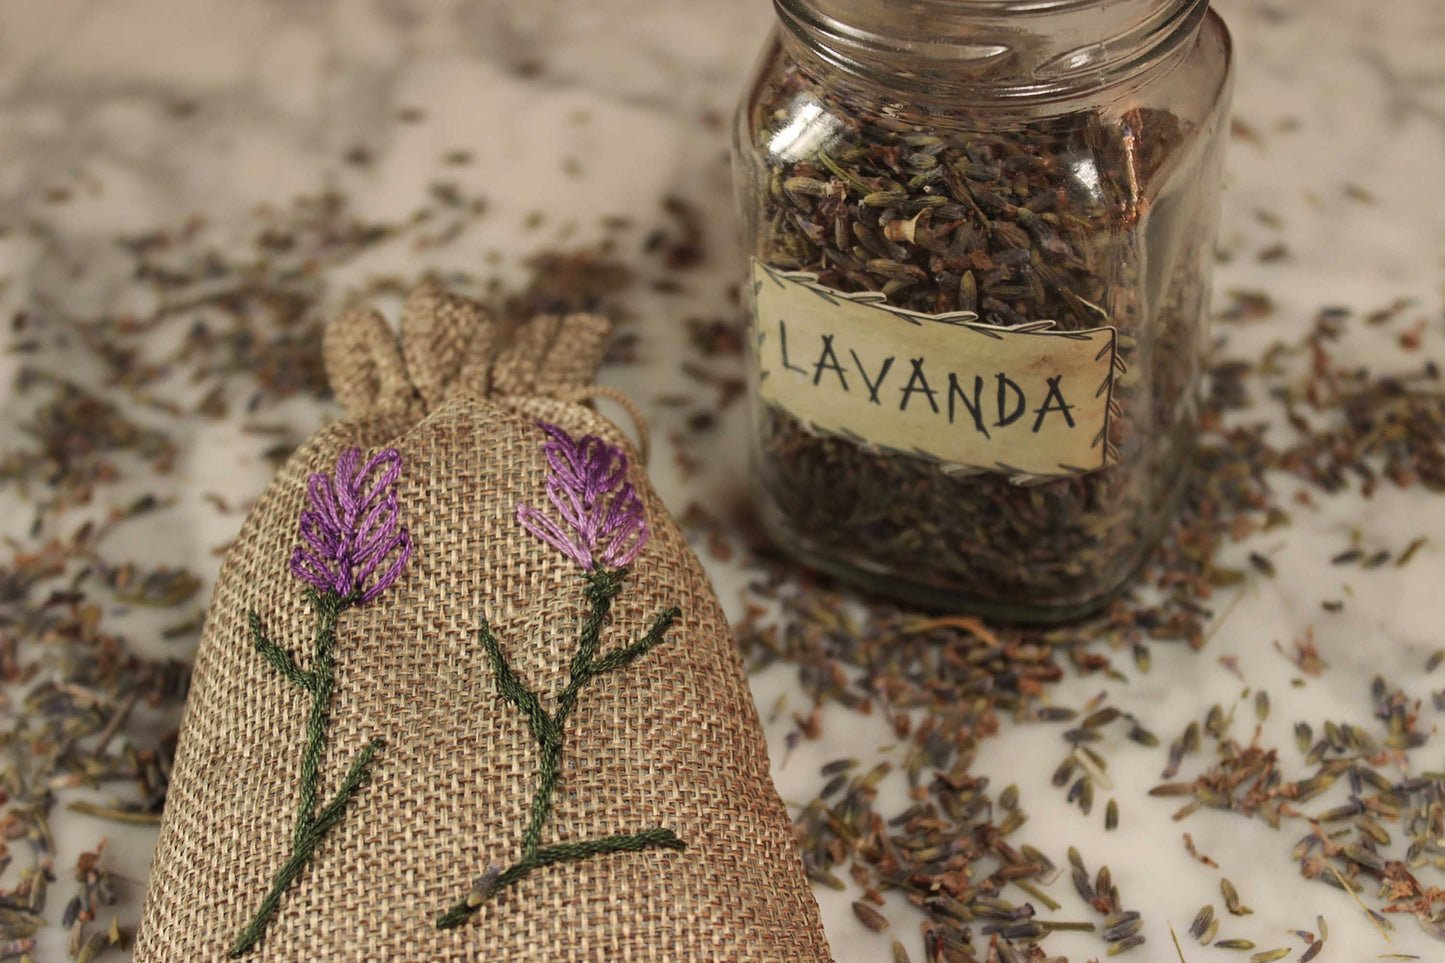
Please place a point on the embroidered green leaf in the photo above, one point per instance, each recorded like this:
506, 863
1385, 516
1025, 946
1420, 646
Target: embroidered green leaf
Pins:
278, 657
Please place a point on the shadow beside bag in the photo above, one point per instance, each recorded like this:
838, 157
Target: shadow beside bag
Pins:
465, 693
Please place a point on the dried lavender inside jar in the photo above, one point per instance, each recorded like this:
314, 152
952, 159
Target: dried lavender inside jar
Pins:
1095, 213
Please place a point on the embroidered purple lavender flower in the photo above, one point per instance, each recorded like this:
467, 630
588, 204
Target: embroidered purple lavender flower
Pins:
353, 525
602, 521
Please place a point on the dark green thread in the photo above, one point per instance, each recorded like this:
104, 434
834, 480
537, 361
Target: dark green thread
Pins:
547, 855
548, 729
311, 825
278, 657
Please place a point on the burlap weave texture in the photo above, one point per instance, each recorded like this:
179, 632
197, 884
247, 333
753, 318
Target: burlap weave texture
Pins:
673, 740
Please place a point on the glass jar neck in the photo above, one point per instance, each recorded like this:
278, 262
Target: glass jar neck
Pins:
1018, 51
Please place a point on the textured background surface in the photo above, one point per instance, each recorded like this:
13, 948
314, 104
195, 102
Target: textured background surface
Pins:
119, 117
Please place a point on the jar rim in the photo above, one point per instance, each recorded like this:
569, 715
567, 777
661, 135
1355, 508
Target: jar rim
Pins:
994, 53
1024, 6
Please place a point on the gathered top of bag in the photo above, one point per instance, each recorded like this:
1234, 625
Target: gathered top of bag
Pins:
450, 344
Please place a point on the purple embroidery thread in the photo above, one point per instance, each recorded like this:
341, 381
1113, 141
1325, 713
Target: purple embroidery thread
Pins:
350, 530
607, 531
604, 531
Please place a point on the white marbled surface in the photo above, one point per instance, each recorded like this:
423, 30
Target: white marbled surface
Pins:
123, 116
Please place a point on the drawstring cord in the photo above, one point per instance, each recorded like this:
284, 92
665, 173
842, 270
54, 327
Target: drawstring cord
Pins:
639, 420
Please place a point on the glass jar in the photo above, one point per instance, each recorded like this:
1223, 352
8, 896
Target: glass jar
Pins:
981, 235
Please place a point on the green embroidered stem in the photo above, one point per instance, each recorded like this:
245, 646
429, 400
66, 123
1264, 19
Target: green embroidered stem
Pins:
547, 855
548, 729
602, 589
311, 825
322, 677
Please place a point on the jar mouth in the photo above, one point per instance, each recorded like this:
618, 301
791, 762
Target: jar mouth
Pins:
1016, 50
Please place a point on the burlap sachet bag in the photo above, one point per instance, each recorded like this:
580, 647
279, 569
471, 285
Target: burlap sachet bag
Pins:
464, 692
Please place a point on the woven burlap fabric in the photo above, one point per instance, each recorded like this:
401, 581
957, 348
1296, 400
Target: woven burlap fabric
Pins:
672, 741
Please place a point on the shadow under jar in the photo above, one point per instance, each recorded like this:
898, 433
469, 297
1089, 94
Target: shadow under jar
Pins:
915, 176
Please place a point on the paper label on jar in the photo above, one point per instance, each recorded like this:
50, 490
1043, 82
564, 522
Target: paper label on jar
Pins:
1029, 401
